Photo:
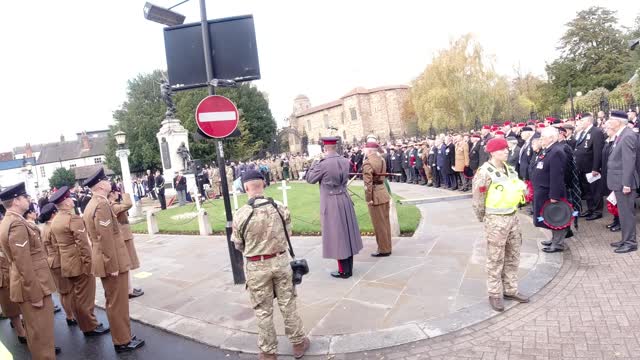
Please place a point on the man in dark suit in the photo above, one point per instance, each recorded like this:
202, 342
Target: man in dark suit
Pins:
548, 178
432, 161
159, 181
588, 156
622, 177
526, 153
151, 184
474, 153
485, 134
180, 184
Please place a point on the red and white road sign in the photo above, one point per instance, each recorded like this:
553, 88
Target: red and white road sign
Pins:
217, 116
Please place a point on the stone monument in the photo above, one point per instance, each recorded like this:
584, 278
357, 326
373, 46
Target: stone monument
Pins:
173, 139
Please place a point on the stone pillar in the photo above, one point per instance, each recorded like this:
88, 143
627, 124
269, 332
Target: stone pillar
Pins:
152, 223
123, 155
170, 136
203, 223
393, 219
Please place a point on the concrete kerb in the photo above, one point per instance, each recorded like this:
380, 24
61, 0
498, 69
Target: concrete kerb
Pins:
547, 266
435, 199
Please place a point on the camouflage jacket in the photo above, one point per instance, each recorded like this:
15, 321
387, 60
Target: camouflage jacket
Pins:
258, 230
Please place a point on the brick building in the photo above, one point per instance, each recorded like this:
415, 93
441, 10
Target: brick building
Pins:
355, 115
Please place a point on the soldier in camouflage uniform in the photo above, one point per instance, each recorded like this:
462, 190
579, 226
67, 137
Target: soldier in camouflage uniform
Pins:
230, 178
497, 192
259, 232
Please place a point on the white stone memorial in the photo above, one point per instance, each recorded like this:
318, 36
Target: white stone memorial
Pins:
171, 135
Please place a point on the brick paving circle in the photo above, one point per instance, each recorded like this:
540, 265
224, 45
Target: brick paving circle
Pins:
590, 310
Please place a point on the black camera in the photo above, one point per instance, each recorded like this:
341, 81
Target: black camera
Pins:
300, 268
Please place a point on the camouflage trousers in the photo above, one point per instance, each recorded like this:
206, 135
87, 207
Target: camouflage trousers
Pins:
266, 279
504, 239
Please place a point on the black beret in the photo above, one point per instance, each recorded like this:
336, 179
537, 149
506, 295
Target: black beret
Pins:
95, 178
252, 175
527, 128
60, 195
632, 110
619, 114
562, 129
13, 192
46, 212
31, 209
536, 135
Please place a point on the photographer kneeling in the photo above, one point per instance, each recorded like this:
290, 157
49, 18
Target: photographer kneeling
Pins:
261, 231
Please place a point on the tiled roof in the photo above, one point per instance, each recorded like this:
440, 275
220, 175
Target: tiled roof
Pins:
70, 150
313, 109
21, 149
6, 156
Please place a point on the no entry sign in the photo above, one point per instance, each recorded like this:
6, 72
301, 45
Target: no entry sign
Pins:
217, 116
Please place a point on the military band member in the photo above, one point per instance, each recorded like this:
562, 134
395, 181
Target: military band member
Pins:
259, 232
340, 231
377, 198
65, 287
497, 193
110, 261
31, 283
121, 203
70, 234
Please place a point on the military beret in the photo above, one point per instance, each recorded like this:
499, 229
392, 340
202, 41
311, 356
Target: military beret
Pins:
486, 127
475, 135
13, 192
619, 114
507, 123
95, 178
562, 129
521, 124
633, 110
31, 209
512, 138
496, 144
47, 212
60, 195
252, 175
527, 128
500, 132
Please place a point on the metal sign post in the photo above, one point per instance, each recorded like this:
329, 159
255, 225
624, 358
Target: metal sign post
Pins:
235, 256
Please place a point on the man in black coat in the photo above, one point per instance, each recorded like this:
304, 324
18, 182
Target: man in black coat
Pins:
396, 163
526, 153
432, 161
159, 182
485, 134
588, 156
151, 184
449, 162
548, 178
474, 153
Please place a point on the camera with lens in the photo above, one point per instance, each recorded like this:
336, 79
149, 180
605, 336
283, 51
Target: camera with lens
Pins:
300, 268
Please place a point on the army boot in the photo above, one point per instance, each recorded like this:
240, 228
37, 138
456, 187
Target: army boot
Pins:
264, 356
300, 349
496, 303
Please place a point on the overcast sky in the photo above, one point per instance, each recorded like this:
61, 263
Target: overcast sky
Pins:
65, 64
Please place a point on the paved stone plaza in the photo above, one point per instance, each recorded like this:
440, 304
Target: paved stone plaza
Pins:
432, 285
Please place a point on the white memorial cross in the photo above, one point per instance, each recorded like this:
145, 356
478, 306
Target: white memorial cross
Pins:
284, 189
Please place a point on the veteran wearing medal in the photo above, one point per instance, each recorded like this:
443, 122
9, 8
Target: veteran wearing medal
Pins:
377, 197
110, 261
75, 261
497, 193
31, 284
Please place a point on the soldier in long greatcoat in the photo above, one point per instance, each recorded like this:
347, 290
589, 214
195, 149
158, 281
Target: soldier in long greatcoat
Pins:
340, 232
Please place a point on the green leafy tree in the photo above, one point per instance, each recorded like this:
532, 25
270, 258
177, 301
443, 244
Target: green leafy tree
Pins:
143, 111
62, 177
593, 55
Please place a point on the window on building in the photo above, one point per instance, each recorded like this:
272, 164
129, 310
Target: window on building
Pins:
42, 172
308, 125
344, 134
71, 166
97, 160
342, 117
326, 120
354, 115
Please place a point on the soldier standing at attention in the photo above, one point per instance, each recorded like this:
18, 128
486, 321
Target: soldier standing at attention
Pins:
377, 198
259, 231
65, 287
31, 283
121, 203
340, 231
497, 192
75, 261
110, 261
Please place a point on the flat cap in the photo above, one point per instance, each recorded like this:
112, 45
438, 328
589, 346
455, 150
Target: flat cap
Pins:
619, 114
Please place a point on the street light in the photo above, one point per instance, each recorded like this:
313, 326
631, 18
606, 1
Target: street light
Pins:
161, 15
121, 138
633, 44
123, 154
28, 174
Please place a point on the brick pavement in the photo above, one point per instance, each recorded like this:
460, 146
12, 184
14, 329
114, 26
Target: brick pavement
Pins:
591, 310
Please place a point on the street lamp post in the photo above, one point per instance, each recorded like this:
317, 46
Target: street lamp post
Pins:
123, 154
27, 169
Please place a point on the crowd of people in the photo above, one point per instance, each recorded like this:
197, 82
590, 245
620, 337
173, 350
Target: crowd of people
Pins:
48, 246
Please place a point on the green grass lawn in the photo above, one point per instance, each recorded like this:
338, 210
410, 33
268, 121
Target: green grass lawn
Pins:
304, 203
